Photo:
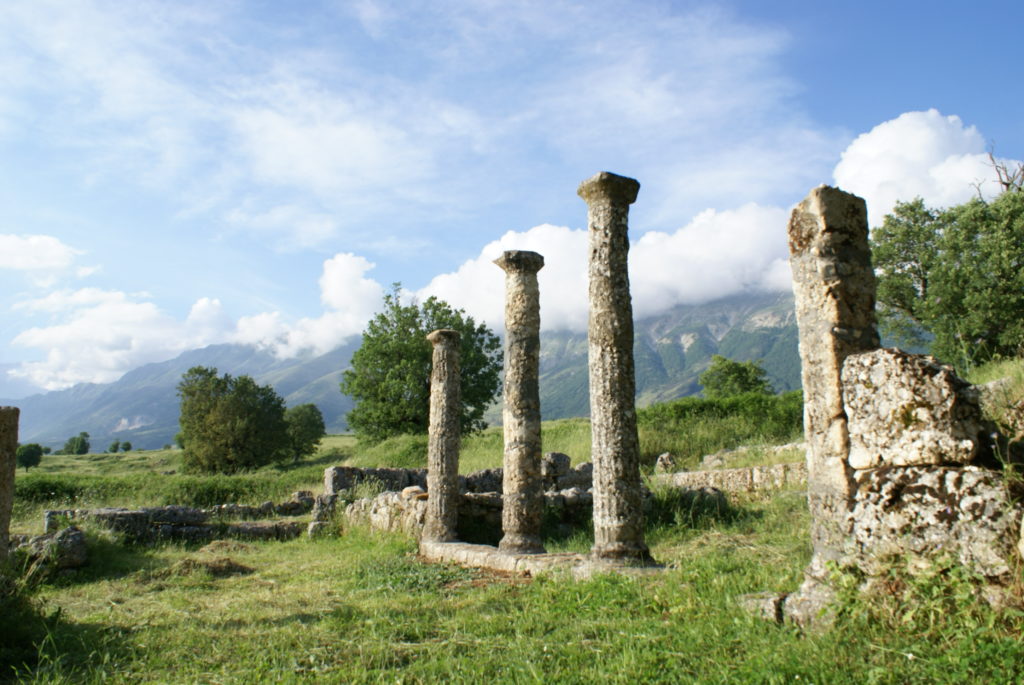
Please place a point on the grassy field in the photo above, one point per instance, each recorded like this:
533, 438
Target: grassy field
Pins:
359, 607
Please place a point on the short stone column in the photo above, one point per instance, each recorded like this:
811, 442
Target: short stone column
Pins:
443, 447
834, 289
8, 453
615, 449
522, 491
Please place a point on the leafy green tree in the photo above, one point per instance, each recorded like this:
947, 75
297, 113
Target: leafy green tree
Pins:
954, 278
47, 450
114, 447
390, 374
29, 455
726, 378
305, 429
126, 446
229, 423
77, 445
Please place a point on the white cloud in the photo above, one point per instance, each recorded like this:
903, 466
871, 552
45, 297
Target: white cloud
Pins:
101, 334
478, 286
350, 299
35, 253
917, 154
97, 335
719, 253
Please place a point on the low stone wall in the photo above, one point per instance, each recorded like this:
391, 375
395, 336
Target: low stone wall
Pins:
556, 474
479, 512
190, 524
747, 479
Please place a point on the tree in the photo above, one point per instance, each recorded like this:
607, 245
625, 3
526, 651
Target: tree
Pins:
390, 374
29, 455
77, 445
229, 423
725, 378
305, 428
126, 446
954, 278
114, 447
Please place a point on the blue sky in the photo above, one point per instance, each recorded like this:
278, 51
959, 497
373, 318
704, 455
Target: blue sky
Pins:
177, 174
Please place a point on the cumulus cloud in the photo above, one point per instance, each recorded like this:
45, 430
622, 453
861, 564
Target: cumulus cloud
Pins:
96, 335
719, 253
349, 300
100, 334
917, 154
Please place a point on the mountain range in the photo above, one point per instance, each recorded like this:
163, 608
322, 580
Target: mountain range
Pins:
671, 350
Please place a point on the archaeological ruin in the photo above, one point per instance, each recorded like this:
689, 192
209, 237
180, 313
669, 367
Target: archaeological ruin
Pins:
900, 466
8, 456
443, 447
522, 494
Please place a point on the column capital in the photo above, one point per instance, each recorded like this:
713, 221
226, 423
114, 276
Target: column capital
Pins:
443, 337
609, 187
520, 260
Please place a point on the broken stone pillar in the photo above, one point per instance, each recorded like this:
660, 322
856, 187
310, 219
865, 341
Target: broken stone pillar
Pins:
834, 289
618, 498
523, 496
443, 445
8, 452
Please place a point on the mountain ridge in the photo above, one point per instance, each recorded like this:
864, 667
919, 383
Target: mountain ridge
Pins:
671, 350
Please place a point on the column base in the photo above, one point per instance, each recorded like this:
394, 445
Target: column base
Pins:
521, 544
636, 554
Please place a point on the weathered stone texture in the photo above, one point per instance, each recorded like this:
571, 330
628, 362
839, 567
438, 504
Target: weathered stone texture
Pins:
910, 410
340, 478
8, 453
834, 289
524, 499
929, 512
747, 479
443, 445
618, 513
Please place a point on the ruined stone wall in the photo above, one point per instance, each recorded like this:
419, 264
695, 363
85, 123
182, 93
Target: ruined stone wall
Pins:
900, 461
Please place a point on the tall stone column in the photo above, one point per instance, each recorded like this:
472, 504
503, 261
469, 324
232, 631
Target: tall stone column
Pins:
8, 451
615, 450
523, 495
834, 289
443, 447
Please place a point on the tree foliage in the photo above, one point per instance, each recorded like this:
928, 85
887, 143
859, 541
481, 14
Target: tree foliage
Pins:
126, 446
115, 447
76, 445
229, 423
390, 374
726, 378
305, 429
29, 455
954, 278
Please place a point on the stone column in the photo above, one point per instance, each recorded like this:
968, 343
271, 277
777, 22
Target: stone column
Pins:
8, 451
443, 447
834, 289
523, 495
615, 450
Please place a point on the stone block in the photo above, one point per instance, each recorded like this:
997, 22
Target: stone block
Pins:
934, 512
909, 410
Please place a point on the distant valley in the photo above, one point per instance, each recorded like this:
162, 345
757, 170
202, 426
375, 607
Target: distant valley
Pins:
671, 350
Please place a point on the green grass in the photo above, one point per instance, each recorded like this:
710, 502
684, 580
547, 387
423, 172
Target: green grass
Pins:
361, 608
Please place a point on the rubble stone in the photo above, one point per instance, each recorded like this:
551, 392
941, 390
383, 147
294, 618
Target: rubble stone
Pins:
910, 410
